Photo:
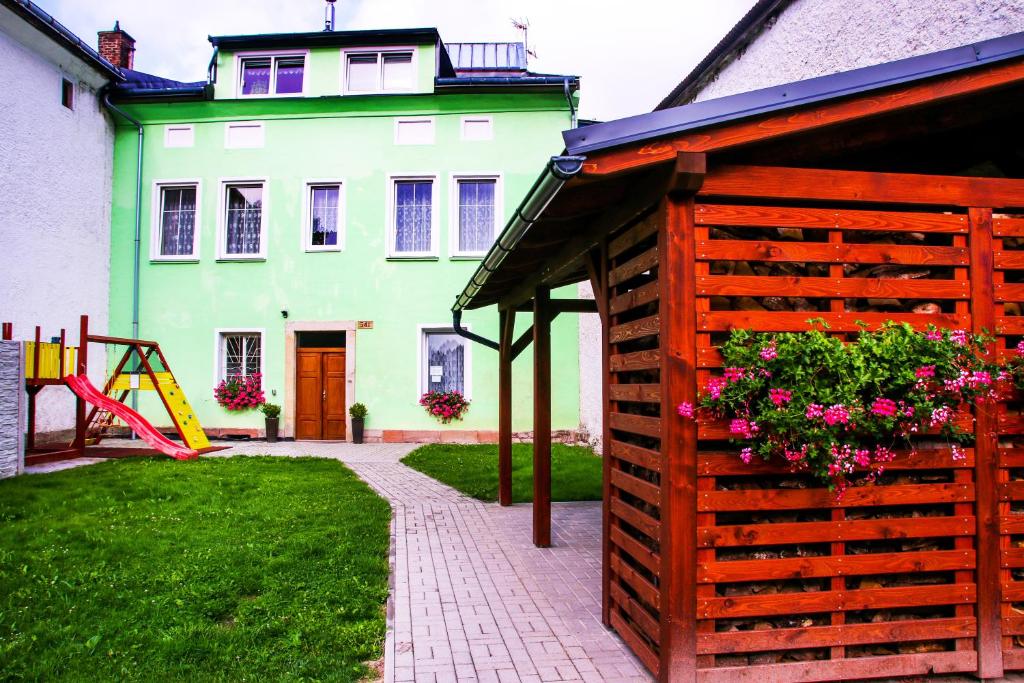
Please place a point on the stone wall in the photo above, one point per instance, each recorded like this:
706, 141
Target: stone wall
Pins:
11, 416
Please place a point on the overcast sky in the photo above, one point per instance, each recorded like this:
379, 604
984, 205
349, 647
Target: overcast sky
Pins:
629, 54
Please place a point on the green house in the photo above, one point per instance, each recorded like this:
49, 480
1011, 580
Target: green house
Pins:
308, 210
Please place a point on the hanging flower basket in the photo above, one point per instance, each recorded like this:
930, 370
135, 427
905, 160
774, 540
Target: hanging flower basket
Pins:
838, 410
240, 393
445, 405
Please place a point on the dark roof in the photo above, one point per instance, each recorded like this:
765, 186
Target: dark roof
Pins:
737, 38
62, 35
487, 56
140, 84
392, 36
526, 78
664, 122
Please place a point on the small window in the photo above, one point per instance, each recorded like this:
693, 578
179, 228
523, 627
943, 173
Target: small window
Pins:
369, 72
323, 217
243, 221
476, 219
241, 354
244, 135
477, 129
445, 357
412, 218
179, 136
263, 76
67, 93
418, 131
177, 226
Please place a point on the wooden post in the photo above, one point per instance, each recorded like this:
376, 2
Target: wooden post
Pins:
542, 417
677, 280
986, 456
507, 324
82, 369
8, 331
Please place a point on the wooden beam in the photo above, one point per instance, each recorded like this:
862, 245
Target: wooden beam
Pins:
678, 307
81, 369
790, 122
986, 457
542, 418
777, 182
507, 324
564, 306
598, 267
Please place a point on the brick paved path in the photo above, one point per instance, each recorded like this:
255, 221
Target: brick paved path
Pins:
472, 599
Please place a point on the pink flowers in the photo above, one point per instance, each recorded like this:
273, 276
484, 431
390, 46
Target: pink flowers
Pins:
445, 405
941, 416
685, 409
780, 397
735, 374
925, 371
746, 455
884, 407
743, 428
958, 337
933, 335
814, 411
837, 414
1020, 348
715, 386
769, 352
240, 392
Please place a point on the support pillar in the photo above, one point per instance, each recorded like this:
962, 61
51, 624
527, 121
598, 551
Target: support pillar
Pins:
542, 417
507, 323
81, 369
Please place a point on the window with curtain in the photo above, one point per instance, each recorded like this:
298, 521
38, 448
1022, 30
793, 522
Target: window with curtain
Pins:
240, 354
477, 214
177, 221
444, 361
244, 220
272, 75
413, 216
324, 205
378, 71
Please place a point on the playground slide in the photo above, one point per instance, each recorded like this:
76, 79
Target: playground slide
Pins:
85, 390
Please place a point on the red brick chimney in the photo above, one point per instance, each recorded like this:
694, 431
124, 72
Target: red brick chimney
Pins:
117, 47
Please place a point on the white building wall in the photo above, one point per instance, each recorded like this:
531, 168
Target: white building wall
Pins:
591, 415
55, 192
819, 37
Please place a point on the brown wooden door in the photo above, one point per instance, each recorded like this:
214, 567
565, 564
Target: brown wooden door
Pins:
320, 394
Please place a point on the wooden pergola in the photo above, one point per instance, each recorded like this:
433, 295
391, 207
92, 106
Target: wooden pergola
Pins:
890, 193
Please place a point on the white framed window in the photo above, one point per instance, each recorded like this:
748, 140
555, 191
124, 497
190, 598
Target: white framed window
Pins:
418, 130
239, 353
323, 227
378, 70
412, 216
475, 214
262, 74
243, 135
176, 220
445, 360
179, 136
242, 223
477, 128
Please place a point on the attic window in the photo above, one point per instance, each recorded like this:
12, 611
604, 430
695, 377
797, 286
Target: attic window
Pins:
67, 93
271, 75
373, 71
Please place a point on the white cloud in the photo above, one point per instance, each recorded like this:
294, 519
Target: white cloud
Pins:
629, 55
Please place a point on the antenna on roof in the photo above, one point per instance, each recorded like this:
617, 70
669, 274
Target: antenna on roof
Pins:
524, 26
329, 16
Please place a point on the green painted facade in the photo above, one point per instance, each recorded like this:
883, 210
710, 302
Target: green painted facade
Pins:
350, 139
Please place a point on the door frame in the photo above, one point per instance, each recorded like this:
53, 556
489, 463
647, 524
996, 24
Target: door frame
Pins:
291, 330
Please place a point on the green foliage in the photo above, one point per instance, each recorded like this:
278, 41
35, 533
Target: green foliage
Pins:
220, 569
270, 410
358, 411
838, 409
473, 470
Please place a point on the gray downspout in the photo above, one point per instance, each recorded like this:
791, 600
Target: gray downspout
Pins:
138, 231
572, 107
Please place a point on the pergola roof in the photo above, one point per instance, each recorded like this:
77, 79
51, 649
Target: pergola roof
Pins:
628, 162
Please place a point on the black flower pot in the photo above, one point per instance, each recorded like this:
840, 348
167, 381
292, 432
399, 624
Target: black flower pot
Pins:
357, 430
271, 429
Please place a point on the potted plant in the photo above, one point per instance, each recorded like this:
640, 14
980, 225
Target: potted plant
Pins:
271, 413
357, 411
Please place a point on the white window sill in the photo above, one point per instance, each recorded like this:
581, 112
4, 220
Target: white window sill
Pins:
413, 257
323, 250
243, 258
474, 256
174, 259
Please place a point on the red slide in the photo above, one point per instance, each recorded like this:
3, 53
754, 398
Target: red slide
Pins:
85, 390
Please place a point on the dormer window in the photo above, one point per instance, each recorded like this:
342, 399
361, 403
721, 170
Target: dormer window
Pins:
271, 75
376, 71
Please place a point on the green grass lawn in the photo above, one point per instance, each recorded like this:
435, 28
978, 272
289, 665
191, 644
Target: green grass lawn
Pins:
575, 471
221, 569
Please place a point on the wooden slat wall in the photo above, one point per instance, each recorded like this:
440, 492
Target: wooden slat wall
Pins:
633, 444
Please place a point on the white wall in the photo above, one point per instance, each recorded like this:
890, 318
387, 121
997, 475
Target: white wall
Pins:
55, 179
818, 37
591, 415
